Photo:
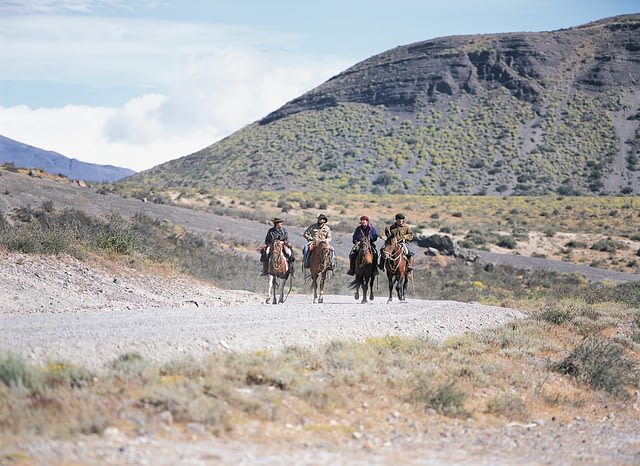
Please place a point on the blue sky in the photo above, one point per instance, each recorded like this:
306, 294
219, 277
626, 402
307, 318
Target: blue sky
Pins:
135, 83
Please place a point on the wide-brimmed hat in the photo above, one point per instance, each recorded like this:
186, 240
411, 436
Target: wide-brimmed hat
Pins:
277, 220
399, 217
323, 217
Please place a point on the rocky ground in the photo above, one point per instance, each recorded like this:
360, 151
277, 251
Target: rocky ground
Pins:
48, 303
51, 305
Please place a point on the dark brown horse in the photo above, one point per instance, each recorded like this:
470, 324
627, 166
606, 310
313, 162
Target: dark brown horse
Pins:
365, 271
318, 267
278, 272
395, 263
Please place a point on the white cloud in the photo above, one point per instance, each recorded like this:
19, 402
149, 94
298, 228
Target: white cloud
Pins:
208, 81
55, 6
79, 132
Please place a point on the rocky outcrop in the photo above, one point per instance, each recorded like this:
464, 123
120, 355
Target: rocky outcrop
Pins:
593, 57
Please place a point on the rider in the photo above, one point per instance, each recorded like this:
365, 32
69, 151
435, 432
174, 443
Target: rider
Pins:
277, 231
317, 232
402, 232
364, 230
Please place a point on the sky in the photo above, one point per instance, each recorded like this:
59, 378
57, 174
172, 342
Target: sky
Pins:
136, 83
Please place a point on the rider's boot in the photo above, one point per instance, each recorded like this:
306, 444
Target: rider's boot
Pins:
410, 264
265, 271
381, 263
352, 265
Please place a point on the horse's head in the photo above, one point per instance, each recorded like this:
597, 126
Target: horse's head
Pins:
278, 262
276, 246
320, 244
391, 244
364, 244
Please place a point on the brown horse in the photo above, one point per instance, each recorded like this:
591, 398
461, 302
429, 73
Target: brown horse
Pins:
318, 266
278, 272
395, 263
365, 271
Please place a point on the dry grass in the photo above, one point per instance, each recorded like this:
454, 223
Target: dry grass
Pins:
557, 227
538, 368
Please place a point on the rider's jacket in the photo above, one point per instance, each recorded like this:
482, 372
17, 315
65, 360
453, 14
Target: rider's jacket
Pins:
365, 232
317, 232
276, 233
400, 232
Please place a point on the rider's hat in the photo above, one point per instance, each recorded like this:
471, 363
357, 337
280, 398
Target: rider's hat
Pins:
322, 217
364, 217
277, 220
399, 217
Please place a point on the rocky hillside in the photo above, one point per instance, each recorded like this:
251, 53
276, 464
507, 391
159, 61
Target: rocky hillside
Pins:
511, 113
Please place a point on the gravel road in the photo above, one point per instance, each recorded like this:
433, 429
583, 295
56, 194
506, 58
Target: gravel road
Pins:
93, 338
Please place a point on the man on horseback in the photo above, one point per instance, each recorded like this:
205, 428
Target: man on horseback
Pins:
402, 232
277, 231
318, 231
367, 231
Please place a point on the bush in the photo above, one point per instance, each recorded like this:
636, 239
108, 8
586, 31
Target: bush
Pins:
508, 406
608, 245
119, 237
602, 364
16, 373
445, 398
508, 242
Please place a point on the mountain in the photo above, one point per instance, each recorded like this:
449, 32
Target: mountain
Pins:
526, 113
26, 156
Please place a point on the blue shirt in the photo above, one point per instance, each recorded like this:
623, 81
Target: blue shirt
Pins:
365, 232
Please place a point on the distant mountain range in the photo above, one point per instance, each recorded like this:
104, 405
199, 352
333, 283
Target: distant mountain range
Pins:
522, 113
25, 156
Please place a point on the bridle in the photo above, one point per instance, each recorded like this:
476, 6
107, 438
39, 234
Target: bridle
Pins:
395, 256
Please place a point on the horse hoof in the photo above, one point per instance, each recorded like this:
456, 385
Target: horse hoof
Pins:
320, 300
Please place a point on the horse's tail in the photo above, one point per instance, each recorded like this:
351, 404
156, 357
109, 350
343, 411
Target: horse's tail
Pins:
355, 283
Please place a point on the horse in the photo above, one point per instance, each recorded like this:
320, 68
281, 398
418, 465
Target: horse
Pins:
318, 266
365, 271
395, 264
279, 272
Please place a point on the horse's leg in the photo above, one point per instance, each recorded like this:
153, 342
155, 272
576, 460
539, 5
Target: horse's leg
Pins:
314, 285
282, 287
404, 288
275, 290
362, 283
269, 292
371, 278
391, 280
321, 292
400, 288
